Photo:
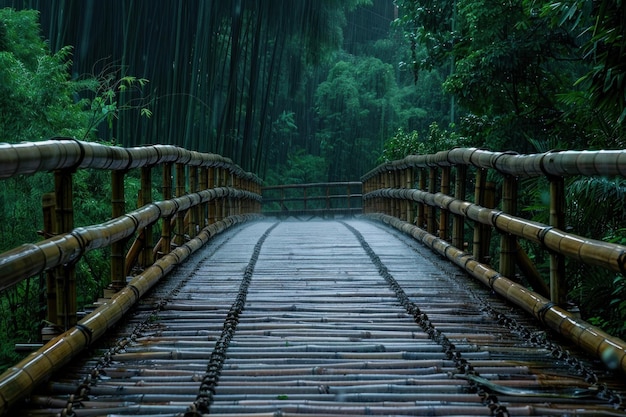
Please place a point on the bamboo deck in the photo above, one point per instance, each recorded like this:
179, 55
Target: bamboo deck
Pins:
325, 318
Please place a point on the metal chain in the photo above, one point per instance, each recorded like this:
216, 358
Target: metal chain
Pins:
536, 338
204, 399
82, 391
540, 339
462, 365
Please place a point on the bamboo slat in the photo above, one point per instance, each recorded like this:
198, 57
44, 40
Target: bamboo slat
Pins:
321, 332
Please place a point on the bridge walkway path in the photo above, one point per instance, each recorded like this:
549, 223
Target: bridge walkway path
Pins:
325, 318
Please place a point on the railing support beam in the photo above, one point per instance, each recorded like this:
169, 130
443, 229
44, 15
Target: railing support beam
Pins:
458, 221
431, 214
421, 207
179, 233
478, 247
65, 274
147, 257
118, 257
166, 224
194, 223
508, 242
443, 213
49, 229
558, 286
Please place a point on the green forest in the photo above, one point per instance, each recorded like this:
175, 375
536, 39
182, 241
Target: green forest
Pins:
301, 91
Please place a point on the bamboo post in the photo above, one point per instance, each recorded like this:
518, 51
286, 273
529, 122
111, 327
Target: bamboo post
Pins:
558, 287
145, 193
219, 203
458, 221
192, 227
485, 230
443, 213
203, 184
380, 202
408, 185
211, 184
369, 206
65, 274
508, 242
479, 198
396, 205
403, 208
237, 185
118, 249
421, 216
389, 202
166, 224
431, 214
228, 182
397, 183
179, 232
48, 203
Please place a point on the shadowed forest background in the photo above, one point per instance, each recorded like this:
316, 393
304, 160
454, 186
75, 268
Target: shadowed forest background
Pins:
303, 91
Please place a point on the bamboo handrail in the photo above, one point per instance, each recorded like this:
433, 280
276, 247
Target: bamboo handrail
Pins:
33, 258
65, 244
383, 190
64, 153
594, 252
552, 163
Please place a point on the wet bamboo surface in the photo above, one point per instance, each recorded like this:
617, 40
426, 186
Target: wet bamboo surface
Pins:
339, 318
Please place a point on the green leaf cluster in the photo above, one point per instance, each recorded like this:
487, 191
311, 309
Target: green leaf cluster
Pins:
37, 97
38, 100
526, 70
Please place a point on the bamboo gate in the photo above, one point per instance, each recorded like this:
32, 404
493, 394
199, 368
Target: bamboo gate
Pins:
423, 196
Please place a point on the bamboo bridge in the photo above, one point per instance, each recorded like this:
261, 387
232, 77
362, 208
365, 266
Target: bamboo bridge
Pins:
377, 297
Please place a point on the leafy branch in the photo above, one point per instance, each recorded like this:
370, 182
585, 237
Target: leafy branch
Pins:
109, 102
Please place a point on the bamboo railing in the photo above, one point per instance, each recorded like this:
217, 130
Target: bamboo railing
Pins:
325, 198
415, 195
212, 195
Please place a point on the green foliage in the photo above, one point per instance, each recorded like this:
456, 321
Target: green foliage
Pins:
301, 168
39, 100
518, 71
106, 106
4, 41
400, 145
437, 139
358, 106
36, 95
602, 24
603, 295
